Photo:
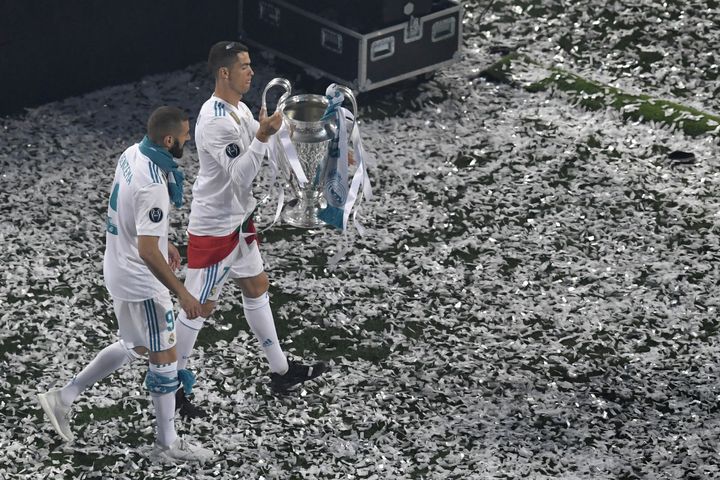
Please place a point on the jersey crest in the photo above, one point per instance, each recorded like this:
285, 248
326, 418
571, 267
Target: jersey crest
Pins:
232, 150
156, 214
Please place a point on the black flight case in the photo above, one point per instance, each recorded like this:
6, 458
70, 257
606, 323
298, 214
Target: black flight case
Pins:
363, 44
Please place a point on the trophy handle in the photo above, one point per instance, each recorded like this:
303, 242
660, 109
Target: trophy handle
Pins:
350, 96
282, 82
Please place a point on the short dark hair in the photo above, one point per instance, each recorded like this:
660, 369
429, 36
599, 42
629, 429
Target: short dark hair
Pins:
165, 121
224, 54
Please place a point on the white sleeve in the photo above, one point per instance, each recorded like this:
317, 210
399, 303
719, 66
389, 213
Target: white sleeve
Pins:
226, 148
152, 206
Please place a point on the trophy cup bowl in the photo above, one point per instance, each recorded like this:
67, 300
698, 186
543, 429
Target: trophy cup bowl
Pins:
311, 136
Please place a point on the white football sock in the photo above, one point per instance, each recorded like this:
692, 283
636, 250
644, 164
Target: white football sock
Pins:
260, 318
165, 406
106, 362
187, 333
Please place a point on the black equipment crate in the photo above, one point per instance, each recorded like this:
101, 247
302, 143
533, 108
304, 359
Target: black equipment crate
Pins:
360, 51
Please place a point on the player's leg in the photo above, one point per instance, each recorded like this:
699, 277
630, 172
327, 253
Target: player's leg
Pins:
110, 359
57, 403
256, 306
187, 330
253, 282
205, 284
163, 380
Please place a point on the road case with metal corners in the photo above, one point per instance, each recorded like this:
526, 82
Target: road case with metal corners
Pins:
335, 40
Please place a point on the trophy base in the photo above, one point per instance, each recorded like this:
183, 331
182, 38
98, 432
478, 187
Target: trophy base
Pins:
302, 215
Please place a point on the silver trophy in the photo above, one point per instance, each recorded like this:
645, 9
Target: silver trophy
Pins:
310, 136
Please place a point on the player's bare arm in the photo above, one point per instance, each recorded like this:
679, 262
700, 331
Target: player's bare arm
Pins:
152, 256
174, 259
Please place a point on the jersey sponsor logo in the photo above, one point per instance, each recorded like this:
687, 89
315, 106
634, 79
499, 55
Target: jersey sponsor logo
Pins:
155, 215
232, 150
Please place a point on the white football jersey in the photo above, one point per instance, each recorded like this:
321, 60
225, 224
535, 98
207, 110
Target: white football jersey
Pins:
230, 158
139, 205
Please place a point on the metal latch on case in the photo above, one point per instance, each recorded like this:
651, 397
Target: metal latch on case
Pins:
382, 48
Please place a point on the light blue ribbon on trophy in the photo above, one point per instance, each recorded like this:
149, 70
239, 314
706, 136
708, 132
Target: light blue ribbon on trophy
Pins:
335, 176
360, 178
342, 199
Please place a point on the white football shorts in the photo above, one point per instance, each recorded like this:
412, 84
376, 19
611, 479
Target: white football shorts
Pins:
206, 283
149, 323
